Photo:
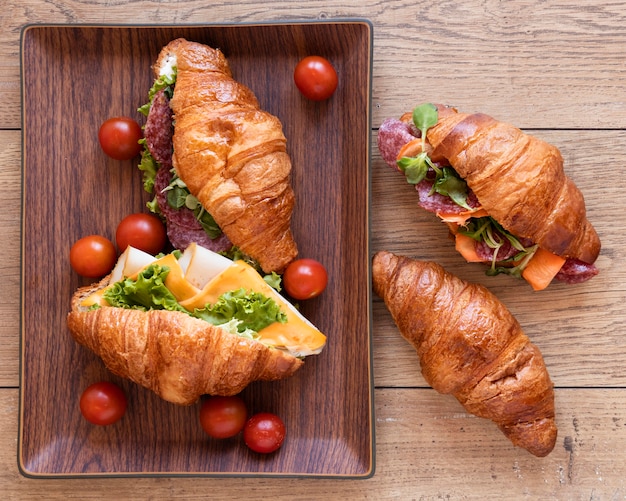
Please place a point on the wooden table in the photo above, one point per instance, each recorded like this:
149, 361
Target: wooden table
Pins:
557, 70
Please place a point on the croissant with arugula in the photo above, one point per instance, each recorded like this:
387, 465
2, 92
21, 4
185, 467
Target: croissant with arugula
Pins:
469, 345
503, 193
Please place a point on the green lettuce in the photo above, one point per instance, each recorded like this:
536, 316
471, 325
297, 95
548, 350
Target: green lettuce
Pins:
149, 167
163, 82
241, 311
147, 292
254, 310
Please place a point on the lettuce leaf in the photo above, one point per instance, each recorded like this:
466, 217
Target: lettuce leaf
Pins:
149, 167
147, 292
241, 311
166, 82
254, 310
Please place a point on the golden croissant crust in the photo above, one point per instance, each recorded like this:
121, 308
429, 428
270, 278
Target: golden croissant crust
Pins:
518, 179
231, 154
173, 354
470, 345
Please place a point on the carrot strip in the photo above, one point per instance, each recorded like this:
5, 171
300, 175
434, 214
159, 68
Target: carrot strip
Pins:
466, 246
542, 268
462, 217
411, 149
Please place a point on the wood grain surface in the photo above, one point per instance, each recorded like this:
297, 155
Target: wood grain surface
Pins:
557, 70
330, 397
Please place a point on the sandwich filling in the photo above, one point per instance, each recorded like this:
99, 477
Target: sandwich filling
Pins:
231, 295
186, 219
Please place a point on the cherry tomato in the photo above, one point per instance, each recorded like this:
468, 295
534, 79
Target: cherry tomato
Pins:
316, 78
103, 403
305, 278
145, 232
119, 138
223, 417
93, 256
264, 432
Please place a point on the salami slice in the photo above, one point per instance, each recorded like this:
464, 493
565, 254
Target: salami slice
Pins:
159, 130
575, 271
182, 226
393, 134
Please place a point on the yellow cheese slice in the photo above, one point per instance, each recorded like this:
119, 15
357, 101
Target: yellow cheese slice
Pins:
95, 298
297, 335
175, 282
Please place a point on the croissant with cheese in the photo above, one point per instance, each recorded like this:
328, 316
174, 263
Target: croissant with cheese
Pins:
149, 328
470, 345
513, 200
231, 154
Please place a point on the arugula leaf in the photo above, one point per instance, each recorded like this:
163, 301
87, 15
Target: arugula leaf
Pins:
207, 221
414, 168
448, 183
425, 116
178, 196
488, 230
476, 227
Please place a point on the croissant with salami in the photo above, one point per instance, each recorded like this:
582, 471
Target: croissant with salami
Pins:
470, 345
230, 154
503, 193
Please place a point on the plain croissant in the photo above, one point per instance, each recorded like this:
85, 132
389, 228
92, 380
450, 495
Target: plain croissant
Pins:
173, 354
518, 179
470, 345
231, 154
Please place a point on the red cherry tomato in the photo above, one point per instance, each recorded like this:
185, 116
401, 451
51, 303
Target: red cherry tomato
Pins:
119, 138
305, 278
264, 432
93, 256
103, 403
145, 232
223, 417
316, 78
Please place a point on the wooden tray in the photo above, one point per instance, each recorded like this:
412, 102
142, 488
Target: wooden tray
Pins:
73, 78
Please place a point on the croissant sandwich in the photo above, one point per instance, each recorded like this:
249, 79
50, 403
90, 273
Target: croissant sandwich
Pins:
469, 345
216, 162
503, 193
192, 323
